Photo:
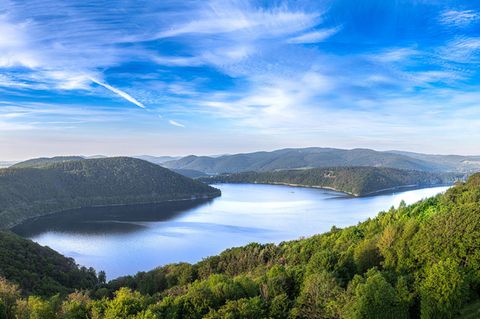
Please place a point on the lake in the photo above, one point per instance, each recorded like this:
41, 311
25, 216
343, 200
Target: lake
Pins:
125, 240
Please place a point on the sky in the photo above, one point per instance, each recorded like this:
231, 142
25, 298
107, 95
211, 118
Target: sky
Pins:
214, 77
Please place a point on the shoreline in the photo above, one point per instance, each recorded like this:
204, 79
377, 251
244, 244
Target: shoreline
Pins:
355, 195
207, 197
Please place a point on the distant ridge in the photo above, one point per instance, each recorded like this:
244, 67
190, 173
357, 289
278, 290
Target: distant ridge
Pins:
58, 186
157, 159
316, 157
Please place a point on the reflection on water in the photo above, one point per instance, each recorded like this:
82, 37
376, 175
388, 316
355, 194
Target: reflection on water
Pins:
124, 240
106, 220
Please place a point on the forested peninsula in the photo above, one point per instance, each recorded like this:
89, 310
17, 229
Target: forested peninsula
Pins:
356, 181
53, 186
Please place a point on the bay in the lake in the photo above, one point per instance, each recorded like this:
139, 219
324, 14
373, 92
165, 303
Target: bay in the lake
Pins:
125, 240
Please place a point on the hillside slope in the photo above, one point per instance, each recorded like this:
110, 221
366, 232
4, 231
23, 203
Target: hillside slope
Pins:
31, 192
357, 181
313, 157
417, 261
40, 270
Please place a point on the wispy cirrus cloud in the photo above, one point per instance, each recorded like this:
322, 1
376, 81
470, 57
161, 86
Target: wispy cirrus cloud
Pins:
226, 17
459, 17
314, 36
462, 49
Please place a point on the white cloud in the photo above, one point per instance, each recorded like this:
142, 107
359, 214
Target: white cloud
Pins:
463, 50
394, 55
14, 50
221, 17
175, 123
459, 17
314, 36
177, 61
227, 33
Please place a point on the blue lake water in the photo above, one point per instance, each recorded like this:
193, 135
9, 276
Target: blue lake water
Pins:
125, 240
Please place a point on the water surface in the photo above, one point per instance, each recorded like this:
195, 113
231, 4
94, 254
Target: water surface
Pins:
125, 240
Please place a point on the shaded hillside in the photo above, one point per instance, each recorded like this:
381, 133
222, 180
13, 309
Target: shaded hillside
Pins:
42, 161
308, 158
40, 270
31, 192
190, 173
357, 181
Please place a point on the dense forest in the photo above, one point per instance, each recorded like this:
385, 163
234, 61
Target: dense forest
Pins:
58, 186
41, 270
417, 261
357, 181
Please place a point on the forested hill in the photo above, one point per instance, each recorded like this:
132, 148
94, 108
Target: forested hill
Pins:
31, 192
317, 157
357, 181
40, 270
417, 261
42, 161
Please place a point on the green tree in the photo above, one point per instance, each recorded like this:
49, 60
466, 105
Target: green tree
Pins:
320, 297
443, 290
280, 307
102, 277
376, 299
40, 309
126, 304
76, 306
9, 294
251, 308
367, 255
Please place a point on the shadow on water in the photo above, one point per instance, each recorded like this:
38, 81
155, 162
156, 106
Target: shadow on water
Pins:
108, 219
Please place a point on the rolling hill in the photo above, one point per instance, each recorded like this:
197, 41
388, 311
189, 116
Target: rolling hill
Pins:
58, 186
316, 157
357, 181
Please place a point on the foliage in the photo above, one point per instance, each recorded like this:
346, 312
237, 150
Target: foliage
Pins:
358, 181
59, 186
41, 270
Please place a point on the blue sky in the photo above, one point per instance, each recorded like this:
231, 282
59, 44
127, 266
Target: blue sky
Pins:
213, 77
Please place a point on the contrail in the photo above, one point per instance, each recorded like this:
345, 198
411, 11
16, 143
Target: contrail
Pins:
175, 123
120, 93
